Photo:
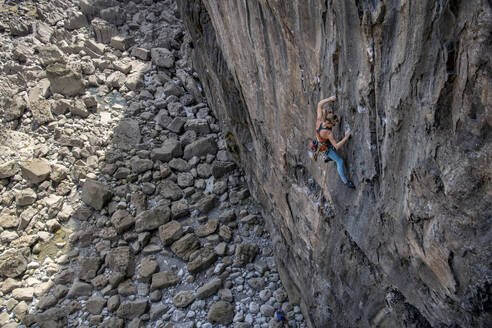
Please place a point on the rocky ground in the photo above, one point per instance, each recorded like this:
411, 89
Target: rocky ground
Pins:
120, 205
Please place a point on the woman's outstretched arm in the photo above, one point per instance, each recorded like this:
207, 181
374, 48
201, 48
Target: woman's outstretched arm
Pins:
321, 104
342, 142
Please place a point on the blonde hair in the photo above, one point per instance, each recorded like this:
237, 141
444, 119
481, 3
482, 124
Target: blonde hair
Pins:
330, 118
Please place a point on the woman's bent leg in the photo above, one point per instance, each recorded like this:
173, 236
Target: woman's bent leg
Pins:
335, 157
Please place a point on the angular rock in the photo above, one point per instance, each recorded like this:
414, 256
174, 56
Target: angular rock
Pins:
185, 246
130, 310
120, 260
245, 253
127, 134
95, 305
176, 125
206, 203
64, 80
221, 312
122, 42
25, 197
200, 126
183, 298
78, 108
88, 267
9, 221
36, 170
103, 30
204, 170
41, 111
164, 279
200, 147
162, 57
209, 289
79, 289
114, 15
122, 221
208, 228
147, 268
96, 194
219, 169
127, 288
170, 190
19, 28
170, 232
140, 165
205, 258
179, 209
53, 318
141, 53
8, 169
12, 263
50, 54
152, 219
76, 20
170, 149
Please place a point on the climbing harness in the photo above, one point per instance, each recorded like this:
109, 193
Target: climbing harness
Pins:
320, 145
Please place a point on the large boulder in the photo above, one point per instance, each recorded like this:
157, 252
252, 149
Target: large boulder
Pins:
127, 134
64, 80
152, 219
170, 149
162, 57
200, 147
8, 169
12, 263
36, 170
221, 312
185, 246
96, 194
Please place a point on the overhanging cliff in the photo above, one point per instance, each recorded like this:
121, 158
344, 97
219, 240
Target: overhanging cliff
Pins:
411, 246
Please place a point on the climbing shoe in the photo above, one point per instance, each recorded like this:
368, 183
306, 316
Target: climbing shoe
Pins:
350, 184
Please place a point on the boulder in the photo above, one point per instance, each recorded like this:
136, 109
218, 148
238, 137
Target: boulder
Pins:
221, 312
245, 253
36, 170
127, 134
162, 57
96, 194
25, 197
122, 43
95, 305
41, 111
205, 258
183, 299
206, 203
208, 228
132, 309
12, 263
209, 288
88, 267
76, 20
122, 221
147, 268
199, 125
152, 219
64, 80
170, 190
170, 232
13, 107
9, 169
170, 149
120, 260
103, 30
79, 289
185, 246
19, 27
179, 209
50, 54
141, 53
9, 221
200, 147
164, 279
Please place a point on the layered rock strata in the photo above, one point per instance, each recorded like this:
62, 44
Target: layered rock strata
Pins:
411, 245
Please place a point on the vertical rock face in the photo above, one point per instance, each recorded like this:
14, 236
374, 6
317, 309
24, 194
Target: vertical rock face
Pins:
411, 245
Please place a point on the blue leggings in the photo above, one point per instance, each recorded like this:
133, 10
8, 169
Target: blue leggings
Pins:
332, 154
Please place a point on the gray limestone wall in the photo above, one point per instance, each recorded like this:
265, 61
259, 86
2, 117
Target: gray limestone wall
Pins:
410, 247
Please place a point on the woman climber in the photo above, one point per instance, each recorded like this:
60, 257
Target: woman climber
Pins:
327, 144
